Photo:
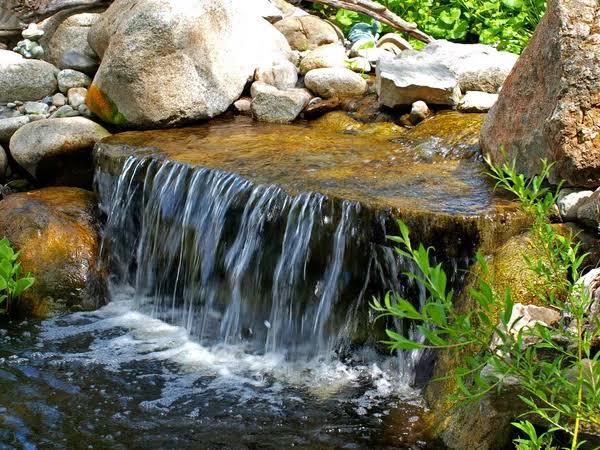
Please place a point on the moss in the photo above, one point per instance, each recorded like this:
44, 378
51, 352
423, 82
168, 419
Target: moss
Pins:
102, 105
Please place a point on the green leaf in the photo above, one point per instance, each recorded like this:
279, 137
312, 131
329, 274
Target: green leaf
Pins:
22, 285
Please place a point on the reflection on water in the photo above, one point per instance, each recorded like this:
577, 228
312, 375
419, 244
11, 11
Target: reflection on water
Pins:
116, 378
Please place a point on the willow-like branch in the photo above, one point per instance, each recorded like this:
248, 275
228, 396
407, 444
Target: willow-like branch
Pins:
380, 13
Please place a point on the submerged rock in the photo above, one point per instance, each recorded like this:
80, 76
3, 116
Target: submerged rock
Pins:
548, 107
308, 32
192, 60
58, 151
25, 79
56, 232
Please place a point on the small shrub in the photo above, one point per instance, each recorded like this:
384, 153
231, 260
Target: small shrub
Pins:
561, 391
12, 285
506, 24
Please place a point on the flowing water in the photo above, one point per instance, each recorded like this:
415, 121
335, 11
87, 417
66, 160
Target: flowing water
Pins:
239, 313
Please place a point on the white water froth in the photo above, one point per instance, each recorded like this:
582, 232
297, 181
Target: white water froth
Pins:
123, 336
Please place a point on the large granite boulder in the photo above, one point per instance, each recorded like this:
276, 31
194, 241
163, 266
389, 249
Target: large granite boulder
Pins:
440, 72
308, 32
67, 47
58, 151
25, 79
56, 232
549, 106
167, 61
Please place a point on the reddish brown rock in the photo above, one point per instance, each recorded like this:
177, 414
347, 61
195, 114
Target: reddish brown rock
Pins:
55, 230
549, 106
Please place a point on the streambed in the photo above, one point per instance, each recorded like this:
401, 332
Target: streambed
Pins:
116, 378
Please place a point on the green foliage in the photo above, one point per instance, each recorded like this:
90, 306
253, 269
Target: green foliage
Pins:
557, 373
507, 24
12, 285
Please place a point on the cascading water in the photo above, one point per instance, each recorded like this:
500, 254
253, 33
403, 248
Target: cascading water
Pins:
237, 263
242, 260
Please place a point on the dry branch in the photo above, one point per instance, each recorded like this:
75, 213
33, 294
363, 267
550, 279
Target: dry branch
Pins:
380, 13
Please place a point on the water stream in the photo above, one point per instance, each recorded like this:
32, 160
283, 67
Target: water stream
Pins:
239, 314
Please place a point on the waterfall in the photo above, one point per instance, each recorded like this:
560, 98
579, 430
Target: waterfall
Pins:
238, 263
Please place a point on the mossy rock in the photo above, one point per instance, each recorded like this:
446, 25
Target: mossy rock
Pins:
56, 232
488, 421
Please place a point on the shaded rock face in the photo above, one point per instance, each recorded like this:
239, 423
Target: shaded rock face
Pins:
68, 48
548, 107
55, 229
191, 61
58, 151
25, 79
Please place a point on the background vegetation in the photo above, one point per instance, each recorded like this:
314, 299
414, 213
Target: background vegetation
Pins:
506, 24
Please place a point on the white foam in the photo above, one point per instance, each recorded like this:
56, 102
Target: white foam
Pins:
122, 336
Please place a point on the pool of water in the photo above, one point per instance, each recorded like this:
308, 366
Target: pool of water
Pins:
116, 378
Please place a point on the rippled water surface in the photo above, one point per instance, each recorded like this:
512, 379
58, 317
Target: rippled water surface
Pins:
116, 378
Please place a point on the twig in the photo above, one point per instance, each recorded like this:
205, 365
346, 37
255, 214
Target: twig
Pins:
380, 13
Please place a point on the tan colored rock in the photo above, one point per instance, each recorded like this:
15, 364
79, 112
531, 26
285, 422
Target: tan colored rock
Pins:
56, 232
549, 105
308, 32
331, 55
335, 82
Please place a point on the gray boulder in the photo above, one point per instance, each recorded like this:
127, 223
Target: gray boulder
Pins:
403, 81
67, 47
191, 62
25, 79
440, 72
335, 82
54, 150
270, 104
477, 67
9, 126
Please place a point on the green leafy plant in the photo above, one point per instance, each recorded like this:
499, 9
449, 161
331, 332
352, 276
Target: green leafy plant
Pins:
507, 24
12, 284
553, 369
